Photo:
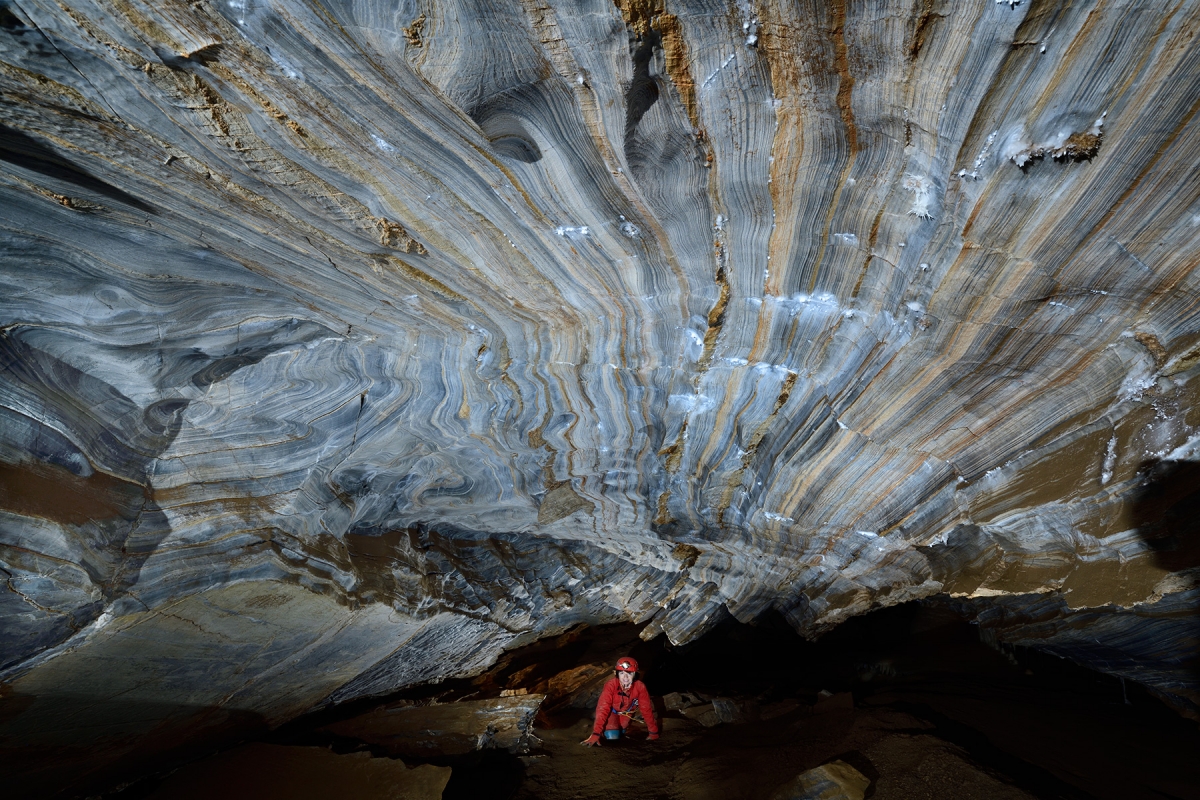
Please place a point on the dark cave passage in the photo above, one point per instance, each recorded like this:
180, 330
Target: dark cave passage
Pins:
912, 697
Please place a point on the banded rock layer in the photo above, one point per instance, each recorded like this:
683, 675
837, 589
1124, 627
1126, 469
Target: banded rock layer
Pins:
347, 343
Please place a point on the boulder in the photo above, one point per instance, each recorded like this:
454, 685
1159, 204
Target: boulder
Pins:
446, 729
579, 686
728, 710
706, 715
677, 701
836, 780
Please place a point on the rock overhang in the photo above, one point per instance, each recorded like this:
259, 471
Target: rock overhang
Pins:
477, 323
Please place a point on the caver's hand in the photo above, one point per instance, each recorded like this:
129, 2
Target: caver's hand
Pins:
591, 741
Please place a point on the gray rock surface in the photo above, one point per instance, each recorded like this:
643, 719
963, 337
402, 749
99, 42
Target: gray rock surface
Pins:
836, 780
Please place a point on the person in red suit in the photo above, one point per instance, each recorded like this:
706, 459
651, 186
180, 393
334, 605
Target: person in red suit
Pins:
621, 697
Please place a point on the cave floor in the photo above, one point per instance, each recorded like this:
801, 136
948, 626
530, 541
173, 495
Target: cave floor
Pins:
894, 749
915, 702
943, 741
917, 742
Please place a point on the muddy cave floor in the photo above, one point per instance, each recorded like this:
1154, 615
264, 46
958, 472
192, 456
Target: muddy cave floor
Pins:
919, 705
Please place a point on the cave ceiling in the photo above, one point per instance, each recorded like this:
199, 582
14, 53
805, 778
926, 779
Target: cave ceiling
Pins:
347, 343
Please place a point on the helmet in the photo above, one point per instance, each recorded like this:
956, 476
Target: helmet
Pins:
626, 664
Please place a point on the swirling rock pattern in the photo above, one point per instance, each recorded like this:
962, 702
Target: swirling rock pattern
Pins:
452, 324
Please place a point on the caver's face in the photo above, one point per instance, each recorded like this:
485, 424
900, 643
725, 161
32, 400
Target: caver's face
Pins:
626, 679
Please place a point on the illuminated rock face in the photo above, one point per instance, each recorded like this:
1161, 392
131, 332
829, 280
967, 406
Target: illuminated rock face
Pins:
378, 337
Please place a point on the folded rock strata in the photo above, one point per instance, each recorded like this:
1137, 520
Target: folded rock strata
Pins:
347, 344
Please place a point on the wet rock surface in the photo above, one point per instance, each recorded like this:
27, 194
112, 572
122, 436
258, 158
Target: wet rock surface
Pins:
345, 347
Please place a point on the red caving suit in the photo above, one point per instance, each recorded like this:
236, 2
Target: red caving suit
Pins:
614, 700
